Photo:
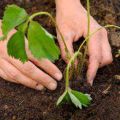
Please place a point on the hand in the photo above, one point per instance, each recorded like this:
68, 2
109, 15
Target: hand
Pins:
28, 74
71, 19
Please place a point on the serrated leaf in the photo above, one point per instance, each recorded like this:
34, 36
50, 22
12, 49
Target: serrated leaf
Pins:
13, 16
83, 98
61, 98
16, 47
75, 100
41, 43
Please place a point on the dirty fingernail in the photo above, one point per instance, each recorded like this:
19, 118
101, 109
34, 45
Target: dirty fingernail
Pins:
52, 86
89, 79
39, 87
90, 82
58, 76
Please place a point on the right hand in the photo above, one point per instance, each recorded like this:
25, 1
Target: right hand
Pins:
72, 21
28, 74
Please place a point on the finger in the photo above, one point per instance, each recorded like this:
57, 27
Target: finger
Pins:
16, 75
45, 65
68, 37
48, 67
106, 50
106, 57
92, 69
5, 77
30, 70
94, 49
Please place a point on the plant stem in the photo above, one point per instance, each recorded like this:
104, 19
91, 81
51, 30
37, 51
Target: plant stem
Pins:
68, 68
88, 16
88, 33
53, 20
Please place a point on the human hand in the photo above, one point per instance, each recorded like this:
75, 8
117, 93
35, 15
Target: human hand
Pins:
71, 19
28, 74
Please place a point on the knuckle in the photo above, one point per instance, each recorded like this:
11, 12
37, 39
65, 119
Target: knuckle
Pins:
77, 36
95, 57
13, 75
64, 57
29, 68
104, 31
108, 61
3, 75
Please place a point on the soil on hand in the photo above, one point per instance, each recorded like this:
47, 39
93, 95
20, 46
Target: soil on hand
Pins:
20, 103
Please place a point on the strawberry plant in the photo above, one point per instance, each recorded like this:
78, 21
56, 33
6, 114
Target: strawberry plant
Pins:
38, 38
42, 45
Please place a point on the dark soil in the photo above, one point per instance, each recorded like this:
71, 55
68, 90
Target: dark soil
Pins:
20, 103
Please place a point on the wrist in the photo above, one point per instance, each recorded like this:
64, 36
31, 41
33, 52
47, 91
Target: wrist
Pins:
66, 3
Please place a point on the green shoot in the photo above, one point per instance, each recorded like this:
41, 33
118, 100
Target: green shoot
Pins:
71, 96
42, 45
77, 98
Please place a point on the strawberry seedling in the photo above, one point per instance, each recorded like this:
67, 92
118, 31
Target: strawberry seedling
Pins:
77, 98
42, 45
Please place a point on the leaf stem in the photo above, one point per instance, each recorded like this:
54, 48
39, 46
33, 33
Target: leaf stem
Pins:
68, 68
90, 35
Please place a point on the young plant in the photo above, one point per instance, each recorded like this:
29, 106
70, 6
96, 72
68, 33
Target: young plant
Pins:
71, 96
42, 45
79, 99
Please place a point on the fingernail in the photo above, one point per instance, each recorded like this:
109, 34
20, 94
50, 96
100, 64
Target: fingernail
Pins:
58, 76
52, 86
90, 82
39, 87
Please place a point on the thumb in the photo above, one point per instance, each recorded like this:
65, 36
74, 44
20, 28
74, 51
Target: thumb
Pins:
68, 37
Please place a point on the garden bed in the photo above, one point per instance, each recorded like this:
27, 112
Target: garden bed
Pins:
20, 103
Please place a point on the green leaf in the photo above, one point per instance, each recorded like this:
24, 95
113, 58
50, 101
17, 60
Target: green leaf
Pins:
89, 97
75, 100
83, 98
61, 98
41, 43
64, 98
23, 27
16, 47
13, 16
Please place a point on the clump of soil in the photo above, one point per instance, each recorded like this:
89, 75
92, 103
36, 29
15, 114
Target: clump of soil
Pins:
20, 103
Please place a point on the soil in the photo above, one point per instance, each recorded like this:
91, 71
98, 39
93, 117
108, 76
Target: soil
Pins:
20, 103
